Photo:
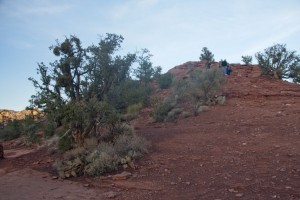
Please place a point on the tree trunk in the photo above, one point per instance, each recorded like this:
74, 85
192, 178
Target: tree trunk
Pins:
79, 135
275, 74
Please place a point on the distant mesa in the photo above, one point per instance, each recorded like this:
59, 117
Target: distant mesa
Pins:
9, 115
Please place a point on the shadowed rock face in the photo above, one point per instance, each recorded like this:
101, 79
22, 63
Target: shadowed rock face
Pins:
1, 151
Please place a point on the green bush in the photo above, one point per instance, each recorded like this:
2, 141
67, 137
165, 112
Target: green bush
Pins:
102, 160
50, 129
205, 84
30, 128
16, 128
180, 91
134, 108
129, 93
131, 146
165, 81
161, 112
11, 131
8, 134
97, 159
65, 143
247, 60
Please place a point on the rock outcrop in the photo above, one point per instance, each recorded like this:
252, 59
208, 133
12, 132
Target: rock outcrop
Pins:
8, 115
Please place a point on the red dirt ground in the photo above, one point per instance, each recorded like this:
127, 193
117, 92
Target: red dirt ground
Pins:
248, 148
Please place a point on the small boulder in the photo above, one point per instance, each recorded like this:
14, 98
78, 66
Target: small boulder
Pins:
203, 109
220, 100
123, 176
111, 194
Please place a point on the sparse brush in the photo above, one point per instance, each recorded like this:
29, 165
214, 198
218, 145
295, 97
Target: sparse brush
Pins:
75, 153
131, 145
90, 143
134, 108
102, 160
165, 81
50, 129
65, 143
161, 112
173, 114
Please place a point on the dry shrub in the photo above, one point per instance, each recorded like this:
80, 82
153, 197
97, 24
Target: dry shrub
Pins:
131, 145
102, 160
97, 159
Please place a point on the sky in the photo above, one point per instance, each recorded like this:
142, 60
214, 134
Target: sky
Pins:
175, 31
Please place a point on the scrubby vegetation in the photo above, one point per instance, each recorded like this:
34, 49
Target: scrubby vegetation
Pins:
165, 80
279, 62
188, 96
96, 159
27, 128
247, 60
206, 56
91, 94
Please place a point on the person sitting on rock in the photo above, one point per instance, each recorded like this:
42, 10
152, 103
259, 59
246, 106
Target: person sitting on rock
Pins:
224, 66
228, 69
208, 65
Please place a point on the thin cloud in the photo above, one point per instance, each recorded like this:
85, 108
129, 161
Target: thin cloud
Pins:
52, 9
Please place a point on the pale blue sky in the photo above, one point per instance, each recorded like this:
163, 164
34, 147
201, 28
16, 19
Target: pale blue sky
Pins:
174, 31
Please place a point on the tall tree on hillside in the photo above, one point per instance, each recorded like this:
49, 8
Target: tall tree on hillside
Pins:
63, 80
72, 89
105, 70
279, 62
145, 71
207, 56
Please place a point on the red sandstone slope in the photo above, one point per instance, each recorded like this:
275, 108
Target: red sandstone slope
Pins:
248, 148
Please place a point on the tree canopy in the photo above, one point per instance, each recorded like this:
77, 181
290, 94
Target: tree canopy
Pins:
75, 89
206, 55
279, 62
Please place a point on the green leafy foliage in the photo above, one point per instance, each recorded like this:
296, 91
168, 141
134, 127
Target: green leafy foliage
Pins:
86, 91
134, 108
49, 129
144, 72
11, 131
247, 60
65, 143
129, 93
165, 81
160, 112
74, 90
205, 84
207, 56
26, 127
279, 62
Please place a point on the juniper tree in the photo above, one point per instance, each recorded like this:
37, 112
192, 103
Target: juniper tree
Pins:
279, 62
207, 56
72, 89
145, 71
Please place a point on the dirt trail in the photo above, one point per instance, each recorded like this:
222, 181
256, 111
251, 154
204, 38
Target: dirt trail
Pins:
248, 148
28, 184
